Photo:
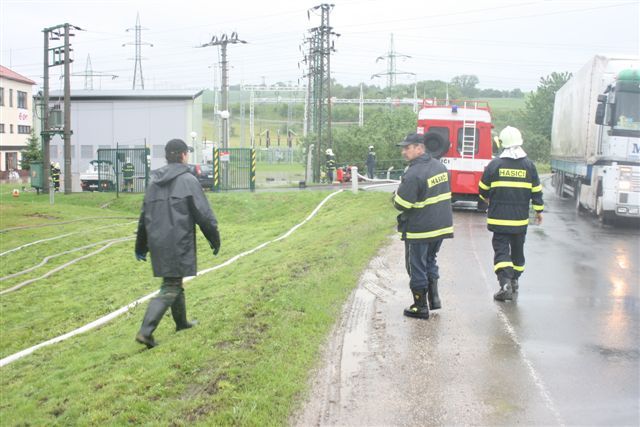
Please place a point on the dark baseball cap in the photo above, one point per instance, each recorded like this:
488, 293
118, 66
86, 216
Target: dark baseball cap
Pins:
176, 146
412, 138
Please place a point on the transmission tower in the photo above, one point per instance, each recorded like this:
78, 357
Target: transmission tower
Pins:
89, 74
391, 58
321, 45
138, 59
223, 41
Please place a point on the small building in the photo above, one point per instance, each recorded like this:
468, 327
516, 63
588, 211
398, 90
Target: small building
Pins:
16, 117
126, 119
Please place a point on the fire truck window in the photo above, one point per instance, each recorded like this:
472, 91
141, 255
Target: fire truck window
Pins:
469, 132
442, 131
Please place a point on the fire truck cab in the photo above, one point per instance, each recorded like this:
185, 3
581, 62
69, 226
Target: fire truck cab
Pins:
459, 134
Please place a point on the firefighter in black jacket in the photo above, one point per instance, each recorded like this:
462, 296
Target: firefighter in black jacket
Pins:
508, 184
424, 197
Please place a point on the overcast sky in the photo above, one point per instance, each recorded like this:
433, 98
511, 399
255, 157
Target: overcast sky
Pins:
506, 43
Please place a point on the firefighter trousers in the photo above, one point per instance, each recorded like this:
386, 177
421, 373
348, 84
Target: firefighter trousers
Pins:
420, 261
508, 258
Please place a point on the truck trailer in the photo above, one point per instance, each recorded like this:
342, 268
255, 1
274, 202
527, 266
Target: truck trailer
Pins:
595, 138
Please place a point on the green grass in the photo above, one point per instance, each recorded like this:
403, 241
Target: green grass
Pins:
262, 319
505, 104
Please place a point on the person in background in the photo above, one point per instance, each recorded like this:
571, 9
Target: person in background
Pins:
128, 170
330, 164
508, 184
426, 219
55, 176
173, 204
371, 163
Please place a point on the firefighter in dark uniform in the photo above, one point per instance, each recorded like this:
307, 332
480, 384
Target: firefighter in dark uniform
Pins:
508, 184
128, 170
330, 164
55, 176
424, 197
371, 162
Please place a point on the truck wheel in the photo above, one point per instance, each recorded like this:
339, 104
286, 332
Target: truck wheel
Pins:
576, 192
605, 217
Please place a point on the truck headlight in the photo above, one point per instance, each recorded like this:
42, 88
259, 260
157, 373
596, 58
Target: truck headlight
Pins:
624, 185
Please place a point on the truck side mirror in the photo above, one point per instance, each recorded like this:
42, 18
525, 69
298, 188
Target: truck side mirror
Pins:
600, 113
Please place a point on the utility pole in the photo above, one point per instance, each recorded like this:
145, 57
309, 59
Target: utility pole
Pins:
391, 73
320, 54
61, 55
138, 44
223, 41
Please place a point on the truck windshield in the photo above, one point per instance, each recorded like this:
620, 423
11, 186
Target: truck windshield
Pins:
627, 112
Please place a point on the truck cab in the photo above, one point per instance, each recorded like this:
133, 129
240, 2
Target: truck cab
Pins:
459, 134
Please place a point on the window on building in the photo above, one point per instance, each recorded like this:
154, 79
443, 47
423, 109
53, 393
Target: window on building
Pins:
157, 151
10, 128
22, 99
1, 97
24, 129
10, 97
86, 151
1, 127
12, 160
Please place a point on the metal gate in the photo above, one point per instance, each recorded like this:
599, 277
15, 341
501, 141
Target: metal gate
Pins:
234, 169
123, 169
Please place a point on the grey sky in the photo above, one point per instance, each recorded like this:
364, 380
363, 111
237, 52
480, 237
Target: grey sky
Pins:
507, 44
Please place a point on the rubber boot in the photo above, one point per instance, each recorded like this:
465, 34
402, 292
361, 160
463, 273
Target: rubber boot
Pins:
419, 308
504, 294
514, 285
179, 313
156, 309
434, 298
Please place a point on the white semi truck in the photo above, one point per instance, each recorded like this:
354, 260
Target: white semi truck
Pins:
595, 138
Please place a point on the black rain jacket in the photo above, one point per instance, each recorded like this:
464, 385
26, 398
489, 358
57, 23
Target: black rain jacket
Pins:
173, 204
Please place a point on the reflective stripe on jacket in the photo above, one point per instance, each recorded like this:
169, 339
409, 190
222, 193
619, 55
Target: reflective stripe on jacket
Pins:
509, 185
424, 197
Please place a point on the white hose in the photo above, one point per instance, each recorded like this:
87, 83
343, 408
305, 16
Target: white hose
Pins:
61, 236
101, 321
46, 259
55, 270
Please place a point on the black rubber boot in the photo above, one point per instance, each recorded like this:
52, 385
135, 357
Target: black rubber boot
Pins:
156, 309
504, 294
419, 308
434, 298
179, 313
514, 285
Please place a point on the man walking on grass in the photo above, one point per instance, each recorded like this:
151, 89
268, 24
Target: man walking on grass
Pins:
173, 204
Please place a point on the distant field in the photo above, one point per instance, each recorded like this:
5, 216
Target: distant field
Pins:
505, 104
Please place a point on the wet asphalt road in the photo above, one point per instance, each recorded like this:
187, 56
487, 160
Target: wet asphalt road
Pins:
566, 352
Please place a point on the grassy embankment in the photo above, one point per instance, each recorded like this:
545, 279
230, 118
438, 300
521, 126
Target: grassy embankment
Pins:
262, 319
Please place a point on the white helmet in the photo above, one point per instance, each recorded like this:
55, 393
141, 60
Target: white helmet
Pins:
57, 165
329, 151
510, 137
371, 147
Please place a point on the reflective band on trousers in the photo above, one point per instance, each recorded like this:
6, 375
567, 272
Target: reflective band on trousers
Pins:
538, 207
512, 184
508, 222
518, 267
503, 264
429, 234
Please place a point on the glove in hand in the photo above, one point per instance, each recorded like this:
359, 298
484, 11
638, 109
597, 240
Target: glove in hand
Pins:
141, 256
215, 243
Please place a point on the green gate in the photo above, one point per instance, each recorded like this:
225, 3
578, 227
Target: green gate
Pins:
234, 169
122, 169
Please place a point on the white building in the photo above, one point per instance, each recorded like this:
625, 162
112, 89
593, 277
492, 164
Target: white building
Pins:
16, 117
128, 119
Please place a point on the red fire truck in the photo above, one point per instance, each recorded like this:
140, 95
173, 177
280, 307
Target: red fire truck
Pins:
459, 134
